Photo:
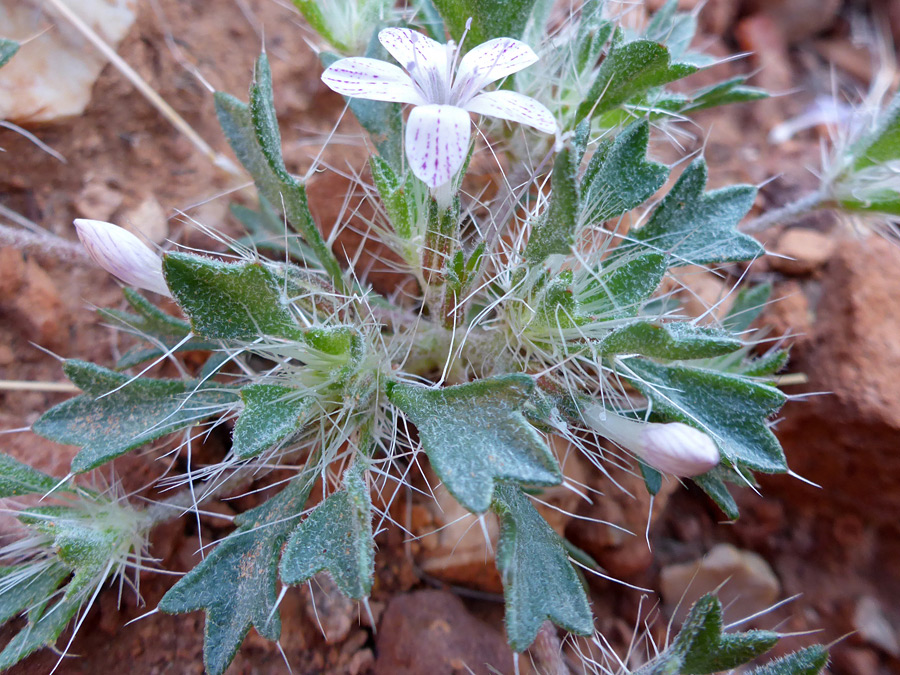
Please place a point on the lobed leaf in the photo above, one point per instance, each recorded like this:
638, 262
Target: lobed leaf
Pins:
233, 301
672, 340
32, 591
271, 414
476, 434
620, 178
236, 584
629, 70
539, 582
730, 408
747, 306
106, 425
336, 537
555, 229
808, 661
621, 287
700, 228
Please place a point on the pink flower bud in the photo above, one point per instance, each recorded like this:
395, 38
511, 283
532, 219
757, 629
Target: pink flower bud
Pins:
122, 254
673, 448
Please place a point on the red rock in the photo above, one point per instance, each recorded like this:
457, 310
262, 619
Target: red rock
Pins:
432, 632
798, 19
801, 251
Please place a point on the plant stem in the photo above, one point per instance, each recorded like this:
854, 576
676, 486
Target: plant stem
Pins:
793, 211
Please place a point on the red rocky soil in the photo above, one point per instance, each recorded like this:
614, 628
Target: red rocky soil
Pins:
838, 545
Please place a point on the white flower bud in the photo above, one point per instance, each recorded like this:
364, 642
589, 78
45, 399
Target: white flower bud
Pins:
122, 254
673, 448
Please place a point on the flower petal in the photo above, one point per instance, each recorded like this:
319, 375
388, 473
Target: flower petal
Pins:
489, 62
122, 254
426, 60
509, 105
437, 141
372, 79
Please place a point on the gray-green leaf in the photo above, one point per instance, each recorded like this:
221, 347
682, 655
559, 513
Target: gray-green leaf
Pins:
700, 228
539, 582
808, 661
106, 426
490, 18
236, 584
732, 409
555, 229
271, 413
8, 49
235, 301
475, 434
336, 537
669, 340
18, 479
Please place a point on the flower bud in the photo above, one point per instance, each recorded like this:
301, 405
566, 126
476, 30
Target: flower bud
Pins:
122, 254
673, 448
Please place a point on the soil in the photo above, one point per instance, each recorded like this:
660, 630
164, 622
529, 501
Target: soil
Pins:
837, 545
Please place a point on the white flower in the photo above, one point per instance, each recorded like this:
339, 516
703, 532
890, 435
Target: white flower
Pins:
438, 130
122, 254
673, 448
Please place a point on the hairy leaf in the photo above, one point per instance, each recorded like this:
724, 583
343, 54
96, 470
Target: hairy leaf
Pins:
620, 178
252, 132
555, 229
808, 661
43, 632
620, 289
670, 340
747, 306
475, 434
883, 143
394, 195
23, 592
490, 18
236, 584
236, 301
165, 332
700, 228
336, 537
18, 479
714, 486
271, 413
730, 408
267, 232
106, 426
539, 582
630, 69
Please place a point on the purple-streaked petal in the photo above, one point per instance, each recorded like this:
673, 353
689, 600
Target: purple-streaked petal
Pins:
509, 105
437, 141
372, 79
489, 62
426, 60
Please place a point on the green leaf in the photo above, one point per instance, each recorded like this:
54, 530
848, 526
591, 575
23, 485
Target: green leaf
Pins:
253, 135
594, 32
233, 301
705, 649
271, 413
475, 434
808, 661
674, 29
669, 340
336, 537
490, 18
700, 228
620, 178
8, 49
383, 120
747, 306
165, 332
267, 232
23, 591
731, 409
41, 633
726, 92
630, 69
716, 489
106, 426
236, 584
555, 229
883, 143
18, 479
394, 193
623, 285
539, 583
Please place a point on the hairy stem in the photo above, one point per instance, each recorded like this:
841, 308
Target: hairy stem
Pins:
789, 212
